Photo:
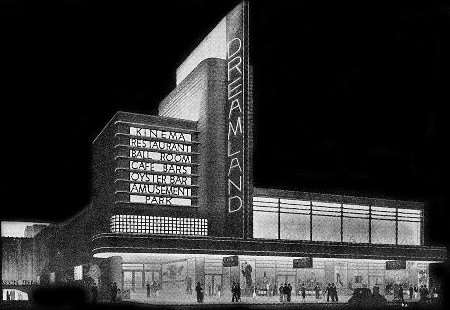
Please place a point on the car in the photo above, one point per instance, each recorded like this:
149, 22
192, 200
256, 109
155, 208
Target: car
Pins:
364, 296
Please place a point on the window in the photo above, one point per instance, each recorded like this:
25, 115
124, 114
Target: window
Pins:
409, 226
294, 219
383, 225
355, 223
326, 221
265, 225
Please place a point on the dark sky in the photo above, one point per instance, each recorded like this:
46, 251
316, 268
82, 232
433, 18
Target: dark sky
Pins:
349, 97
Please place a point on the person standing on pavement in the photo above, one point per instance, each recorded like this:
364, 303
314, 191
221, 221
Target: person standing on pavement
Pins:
303, 291
335, 294
328, 291
281, 290
289, 292
411, 292
317, 290
199, 291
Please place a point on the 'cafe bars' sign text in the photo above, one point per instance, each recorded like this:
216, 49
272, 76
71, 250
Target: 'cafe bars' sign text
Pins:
158, 171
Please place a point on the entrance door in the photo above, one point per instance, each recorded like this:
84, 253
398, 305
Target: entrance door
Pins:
213, 283
127, 280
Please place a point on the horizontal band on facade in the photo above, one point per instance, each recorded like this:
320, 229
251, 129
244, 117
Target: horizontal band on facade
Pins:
268, 247
160, 127
156, 172
146, 160
153, 150
126, 135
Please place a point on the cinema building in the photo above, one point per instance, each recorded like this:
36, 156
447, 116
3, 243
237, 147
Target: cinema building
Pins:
174, 204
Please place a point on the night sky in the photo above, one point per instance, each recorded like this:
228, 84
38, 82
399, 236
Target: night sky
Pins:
349, 98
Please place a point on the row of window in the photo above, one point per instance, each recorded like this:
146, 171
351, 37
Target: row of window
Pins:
323, 221
139, 224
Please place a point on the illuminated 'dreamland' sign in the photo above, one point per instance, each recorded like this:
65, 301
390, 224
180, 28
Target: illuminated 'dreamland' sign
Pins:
236, 105
159, 170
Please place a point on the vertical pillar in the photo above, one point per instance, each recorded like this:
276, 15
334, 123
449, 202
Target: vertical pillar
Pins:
370, 223
342, 222
310, 219
279, 218
396, 226
115, 271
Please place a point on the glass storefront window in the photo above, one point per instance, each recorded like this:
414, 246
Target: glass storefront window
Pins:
294, 226
326, 228
383, 231
265, 225
409, 233
355, 230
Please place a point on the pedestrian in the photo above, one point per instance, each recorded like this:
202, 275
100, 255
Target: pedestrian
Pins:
303, 291
328, 292
94, 293
289, 292
400, 293
281, 292
113, 292
416, 292
233, 292
238, 291
219, 289
199, 291
335, 295
411, 292
148, 289
317, 290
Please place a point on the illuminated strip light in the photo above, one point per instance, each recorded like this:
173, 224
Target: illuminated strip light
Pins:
161, 134
138, 224
158, 200
296, 202
160, 145
162, 156
265, 199
157, 167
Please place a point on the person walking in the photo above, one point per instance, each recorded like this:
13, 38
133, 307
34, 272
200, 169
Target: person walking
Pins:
281, 292
335, 294
113, 292
289, 292
238, 291
199, 291
303, 291
317, 290
400, 293
411, 292
148, 289
328, 292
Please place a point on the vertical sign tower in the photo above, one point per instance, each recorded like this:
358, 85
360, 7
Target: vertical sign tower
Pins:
237, 122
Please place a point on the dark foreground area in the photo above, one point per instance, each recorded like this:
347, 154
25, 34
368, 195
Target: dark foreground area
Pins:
77, 298
27, 305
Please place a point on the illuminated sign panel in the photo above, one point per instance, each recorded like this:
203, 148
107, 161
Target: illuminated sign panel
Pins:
236, 117
160, 167
305, 262
395, 265
230, 261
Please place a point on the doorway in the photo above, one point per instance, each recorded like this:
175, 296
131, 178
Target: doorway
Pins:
213, 284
